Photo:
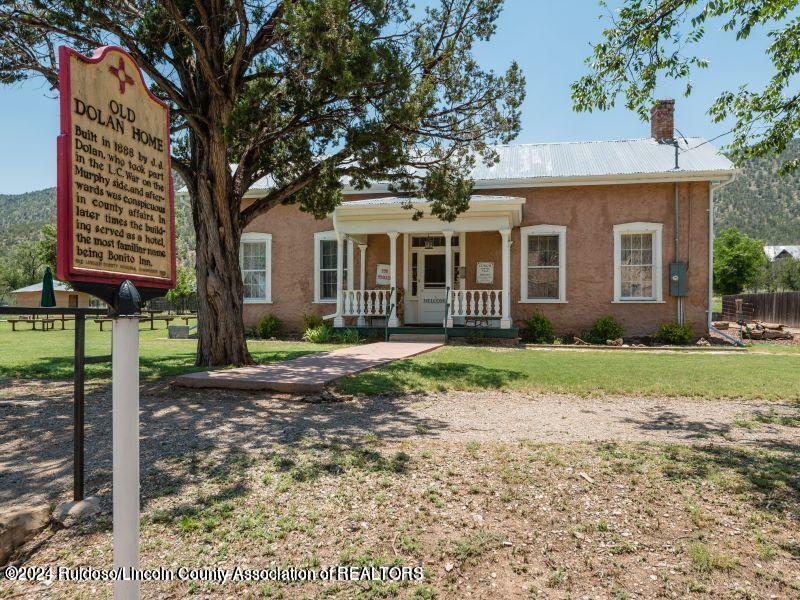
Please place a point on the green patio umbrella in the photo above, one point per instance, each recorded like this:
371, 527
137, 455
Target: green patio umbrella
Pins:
48, 294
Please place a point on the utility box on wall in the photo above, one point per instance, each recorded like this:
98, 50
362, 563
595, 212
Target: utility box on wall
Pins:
678, 280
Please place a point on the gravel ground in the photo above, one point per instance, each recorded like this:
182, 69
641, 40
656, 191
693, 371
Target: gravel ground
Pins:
36, 421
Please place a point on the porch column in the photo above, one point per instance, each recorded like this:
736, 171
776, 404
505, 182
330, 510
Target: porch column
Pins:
338, 320
393, 321
505, 319
362, 263
448, 277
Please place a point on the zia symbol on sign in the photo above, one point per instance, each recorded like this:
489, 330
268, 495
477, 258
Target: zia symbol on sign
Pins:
121, 75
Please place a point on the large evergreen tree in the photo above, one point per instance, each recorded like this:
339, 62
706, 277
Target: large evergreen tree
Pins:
304, 92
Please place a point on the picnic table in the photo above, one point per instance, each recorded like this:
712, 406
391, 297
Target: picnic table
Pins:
47, 322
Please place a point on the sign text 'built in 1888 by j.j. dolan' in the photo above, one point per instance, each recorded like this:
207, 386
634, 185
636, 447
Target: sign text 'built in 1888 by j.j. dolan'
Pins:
115, 197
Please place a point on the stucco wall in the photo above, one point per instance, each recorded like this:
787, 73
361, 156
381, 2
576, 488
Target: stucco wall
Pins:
588, 212
32, 299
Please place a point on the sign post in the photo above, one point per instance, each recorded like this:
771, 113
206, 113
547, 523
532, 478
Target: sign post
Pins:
116, 239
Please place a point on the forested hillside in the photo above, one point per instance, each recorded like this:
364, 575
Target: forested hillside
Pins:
761, 203
23, 215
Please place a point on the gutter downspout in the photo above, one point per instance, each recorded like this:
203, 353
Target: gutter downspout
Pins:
677, 258
713, 186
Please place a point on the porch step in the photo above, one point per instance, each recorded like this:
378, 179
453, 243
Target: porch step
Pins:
417, 337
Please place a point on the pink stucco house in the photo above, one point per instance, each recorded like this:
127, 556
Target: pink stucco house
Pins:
572, 230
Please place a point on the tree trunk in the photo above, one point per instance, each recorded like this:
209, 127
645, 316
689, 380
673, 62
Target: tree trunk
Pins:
215, 209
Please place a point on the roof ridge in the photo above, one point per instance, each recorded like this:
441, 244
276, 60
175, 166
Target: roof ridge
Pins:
582, 142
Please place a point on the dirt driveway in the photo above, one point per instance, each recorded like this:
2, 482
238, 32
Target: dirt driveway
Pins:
36, 420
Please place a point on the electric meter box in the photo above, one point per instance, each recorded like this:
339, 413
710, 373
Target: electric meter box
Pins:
678, 280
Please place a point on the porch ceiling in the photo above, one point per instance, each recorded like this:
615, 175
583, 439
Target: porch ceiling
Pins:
380, 215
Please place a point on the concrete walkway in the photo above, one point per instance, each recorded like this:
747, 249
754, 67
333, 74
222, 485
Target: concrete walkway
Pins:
308, 373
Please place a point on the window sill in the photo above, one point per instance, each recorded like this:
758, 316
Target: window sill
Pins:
324, 301
257, 301
543, 301
622, 301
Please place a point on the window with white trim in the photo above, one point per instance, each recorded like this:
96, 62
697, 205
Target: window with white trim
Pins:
325, 256
255, 261
543, 263
637, 262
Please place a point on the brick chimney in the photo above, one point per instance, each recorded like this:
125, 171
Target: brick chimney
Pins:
662, 120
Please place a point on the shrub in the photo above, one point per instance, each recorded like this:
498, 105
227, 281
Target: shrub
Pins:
605, 328
538, 329
348, 336
311, 321
675, 334
269, 326
322, 334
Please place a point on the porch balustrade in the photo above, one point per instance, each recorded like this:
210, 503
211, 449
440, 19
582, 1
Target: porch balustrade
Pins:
486, 304
366, 303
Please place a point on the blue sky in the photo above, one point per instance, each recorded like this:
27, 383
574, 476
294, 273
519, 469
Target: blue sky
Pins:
549, 40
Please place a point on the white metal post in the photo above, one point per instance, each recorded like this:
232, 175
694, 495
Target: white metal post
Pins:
448, 277
362, 264
338, 320
393, 321
505, 319
125, 431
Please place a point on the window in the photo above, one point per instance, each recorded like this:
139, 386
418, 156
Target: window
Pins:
325, 266
543, 261
255, 260
637, 262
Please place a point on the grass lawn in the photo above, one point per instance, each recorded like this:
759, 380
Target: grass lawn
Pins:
510, 520
739, 375
49, 354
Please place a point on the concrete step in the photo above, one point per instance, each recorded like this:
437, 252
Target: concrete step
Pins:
417, 337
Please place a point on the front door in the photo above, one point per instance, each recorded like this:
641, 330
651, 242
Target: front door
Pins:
433, 288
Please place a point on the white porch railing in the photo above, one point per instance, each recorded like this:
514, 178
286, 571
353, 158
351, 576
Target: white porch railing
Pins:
485, 304
366, 303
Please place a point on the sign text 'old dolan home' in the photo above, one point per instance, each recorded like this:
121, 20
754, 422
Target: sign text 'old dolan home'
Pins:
115, 197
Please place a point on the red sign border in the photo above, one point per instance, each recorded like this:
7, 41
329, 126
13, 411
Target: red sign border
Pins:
65, 270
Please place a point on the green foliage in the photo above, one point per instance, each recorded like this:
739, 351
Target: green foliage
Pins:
311, 321
348, 336
605, 328
738, 260
269, 326
322, 334
675, 334
185, 285
325, 334
648, 41
538, 329
782, 274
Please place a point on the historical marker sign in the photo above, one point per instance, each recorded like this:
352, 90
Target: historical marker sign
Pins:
115, 197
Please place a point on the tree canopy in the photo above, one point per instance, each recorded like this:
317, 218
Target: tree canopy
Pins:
738, 262
301, 93
651, 39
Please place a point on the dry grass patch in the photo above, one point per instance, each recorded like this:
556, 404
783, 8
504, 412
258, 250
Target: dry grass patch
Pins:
491, 520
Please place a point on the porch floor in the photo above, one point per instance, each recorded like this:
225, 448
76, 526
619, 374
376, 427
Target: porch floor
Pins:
308, 373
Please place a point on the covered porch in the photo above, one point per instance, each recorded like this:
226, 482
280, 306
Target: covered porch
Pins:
426, 272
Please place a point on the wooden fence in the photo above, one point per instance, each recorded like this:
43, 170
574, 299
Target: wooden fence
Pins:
772, 307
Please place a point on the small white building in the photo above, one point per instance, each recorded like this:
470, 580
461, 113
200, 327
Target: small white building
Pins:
780, 252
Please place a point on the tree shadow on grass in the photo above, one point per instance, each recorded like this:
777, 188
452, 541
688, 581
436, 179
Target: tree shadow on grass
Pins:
177, 362
411, 376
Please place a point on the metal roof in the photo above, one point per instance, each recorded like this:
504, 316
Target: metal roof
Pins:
58, 286
644, 156
585, 162
399, 201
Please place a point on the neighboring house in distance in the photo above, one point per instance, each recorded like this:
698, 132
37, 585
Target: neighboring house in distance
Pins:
572, 230
65, 297
781, 252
